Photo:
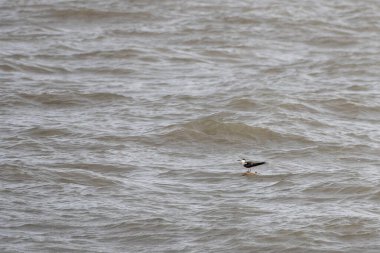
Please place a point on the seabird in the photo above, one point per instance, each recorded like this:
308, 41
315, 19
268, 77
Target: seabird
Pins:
249, 165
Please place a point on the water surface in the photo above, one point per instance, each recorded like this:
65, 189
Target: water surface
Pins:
121, 123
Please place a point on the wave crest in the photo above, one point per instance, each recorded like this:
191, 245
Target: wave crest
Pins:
206, 130
70, 98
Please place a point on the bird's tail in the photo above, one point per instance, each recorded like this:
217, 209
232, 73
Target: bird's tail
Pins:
257, 164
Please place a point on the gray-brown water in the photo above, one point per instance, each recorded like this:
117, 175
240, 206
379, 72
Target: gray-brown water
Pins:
121, 123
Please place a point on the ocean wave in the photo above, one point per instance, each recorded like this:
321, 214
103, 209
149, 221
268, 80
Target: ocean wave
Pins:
99, 168
298, 107
339, 189
17, 66
243, 104
209, 129
105, 97
15, 173
84, 177
70, 98
110, 54
52, 99
47, 132
96, 14
345, 105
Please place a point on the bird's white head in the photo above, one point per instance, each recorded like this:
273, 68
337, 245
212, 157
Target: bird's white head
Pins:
243, 161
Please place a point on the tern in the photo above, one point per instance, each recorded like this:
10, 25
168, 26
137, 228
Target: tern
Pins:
249, 165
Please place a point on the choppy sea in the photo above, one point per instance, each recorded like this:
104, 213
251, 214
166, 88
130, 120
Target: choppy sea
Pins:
121, 123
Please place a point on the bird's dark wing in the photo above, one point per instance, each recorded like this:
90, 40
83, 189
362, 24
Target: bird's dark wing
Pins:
253, 164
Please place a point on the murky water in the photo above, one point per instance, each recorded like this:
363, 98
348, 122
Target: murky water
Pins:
121, 123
